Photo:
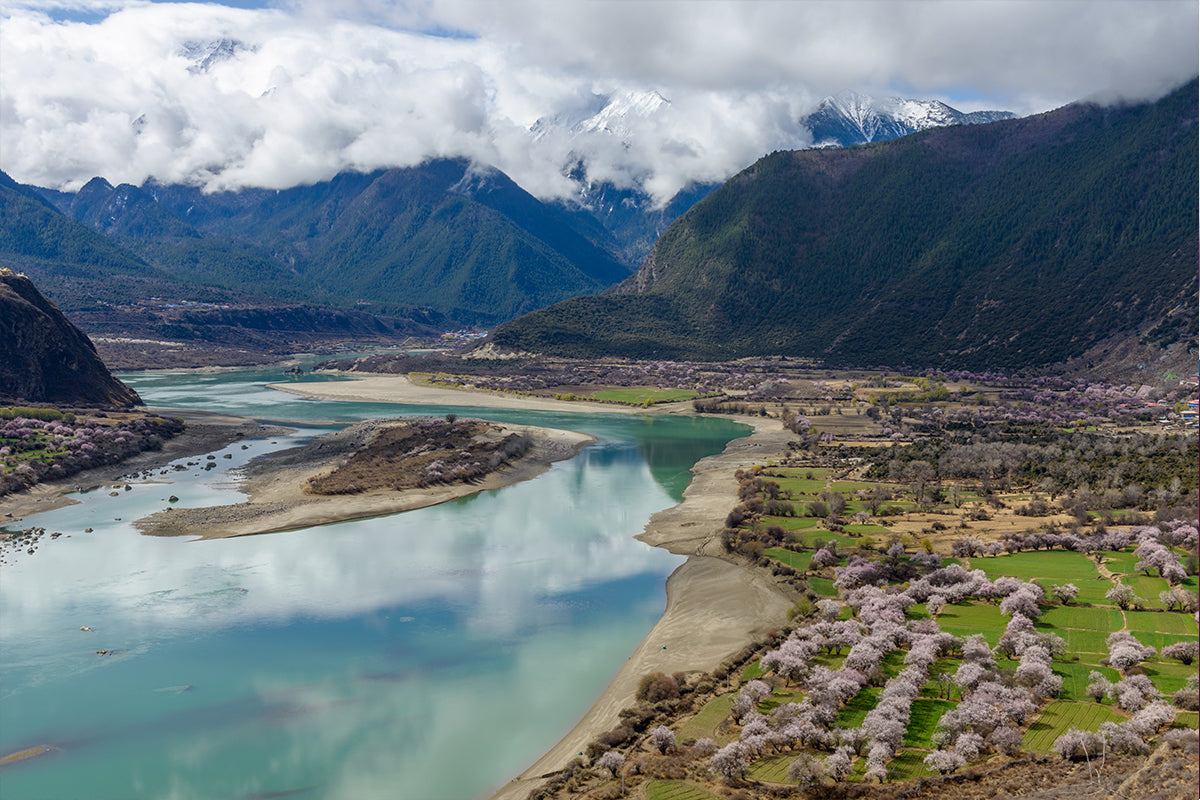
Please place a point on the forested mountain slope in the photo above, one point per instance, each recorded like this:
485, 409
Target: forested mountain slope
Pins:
446, 235
1012, 244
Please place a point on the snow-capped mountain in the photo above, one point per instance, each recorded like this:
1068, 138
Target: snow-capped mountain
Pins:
615, 114
851, 118
584, 135
203, 55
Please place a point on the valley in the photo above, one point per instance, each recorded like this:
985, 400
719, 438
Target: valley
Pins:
857, 457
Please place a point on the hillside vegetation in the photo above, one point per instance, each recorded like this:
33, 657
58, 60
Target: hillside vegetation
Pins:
1019, 243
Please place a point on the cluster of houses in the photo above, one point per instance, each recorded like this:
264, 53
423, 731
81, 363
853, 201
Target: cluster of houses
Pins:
1185, 413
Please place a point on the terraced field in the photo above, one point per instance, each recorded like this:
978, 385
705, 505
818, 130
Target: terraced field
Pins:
678, 790
1059, 716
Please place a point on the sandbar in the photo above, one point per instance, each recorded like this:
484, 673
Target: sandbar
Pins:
401, 389
277, 500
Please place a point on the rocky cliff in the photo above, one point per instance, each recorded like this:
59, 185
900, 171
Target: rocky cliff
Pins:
46, 359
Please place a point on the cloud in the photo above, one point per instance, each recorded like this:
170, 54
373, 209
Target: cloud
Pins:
273, 97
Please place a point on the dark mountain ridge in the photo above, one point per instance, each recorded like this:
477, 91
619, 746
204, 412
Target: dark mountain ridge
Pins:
1014, 244
45, 358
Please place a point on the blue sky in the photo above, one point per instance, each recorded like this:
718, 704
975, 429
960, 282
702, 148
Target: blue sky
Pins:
306, 88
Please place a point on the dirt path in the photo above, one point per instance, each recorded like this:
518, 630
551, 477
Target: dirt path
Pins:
1105, 572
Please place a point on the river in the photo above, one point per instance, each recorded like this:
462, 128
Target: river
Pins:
429, 655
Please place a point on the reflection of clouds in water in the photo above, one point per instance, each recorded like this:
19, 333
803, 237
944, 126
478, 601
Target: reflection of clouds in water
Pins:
370, 735
411, 739
494, 556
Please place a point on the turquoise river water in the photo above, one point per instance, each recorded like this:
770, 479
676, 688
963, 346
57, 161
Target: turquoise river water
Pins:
429, 655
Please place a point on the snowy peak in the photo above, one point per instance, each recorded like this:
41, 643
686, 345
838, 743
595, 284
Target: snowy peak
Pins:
615, 114
622, 110
205, 55
851, 118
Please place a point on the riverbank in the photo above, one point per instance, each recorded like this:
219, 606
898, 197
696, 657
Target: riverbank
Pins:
400, 389
277, 486
715, 605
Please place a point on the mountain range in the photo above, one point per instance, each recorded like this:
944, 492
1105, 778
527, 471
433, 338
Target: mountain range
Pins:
633, 217
448, 236
445, 239
1019, 243
1085, 214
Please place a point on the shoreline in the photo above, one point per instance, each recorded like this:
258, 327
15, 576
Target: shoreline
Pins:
401, 389
715, 604
205, 432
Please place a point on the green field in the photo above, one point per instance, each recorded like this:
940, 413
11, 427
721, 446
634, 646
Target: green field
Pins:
850, 487
1084, 629
964, 620
773, 769
644, 395
801, 489
1082, 617
1187, 719
1061, 715
797, 561
917, 611
875, 531
909, 764
1056, 566
703, 724
830, 662
1120, 563
1075, 678
1091, 592
1167, 676
823, 587
677, 790
1148, 588
1182, 625
855, 711
923, 719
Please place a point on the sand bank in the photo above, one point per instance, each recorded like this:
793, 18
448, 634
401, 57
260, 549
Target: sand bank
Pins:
400, 389
278, 500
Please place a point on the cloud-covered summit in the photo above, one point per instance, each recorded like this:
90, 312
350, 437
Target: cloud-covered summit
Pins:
273, 97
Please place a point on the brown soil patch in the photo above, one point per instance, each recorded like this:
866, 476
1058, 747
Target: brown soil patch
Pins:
422, 453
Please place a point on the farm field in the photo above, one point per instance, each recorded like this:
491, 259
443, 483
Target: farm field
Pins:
1061, 715
677, 790
643, 395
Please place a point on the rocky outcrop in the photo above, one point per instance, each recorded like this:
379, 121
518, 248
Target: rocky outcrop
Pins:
46, 359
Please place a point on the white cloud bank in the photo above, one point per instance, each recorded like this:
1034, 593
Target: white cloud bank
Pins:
301, 92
